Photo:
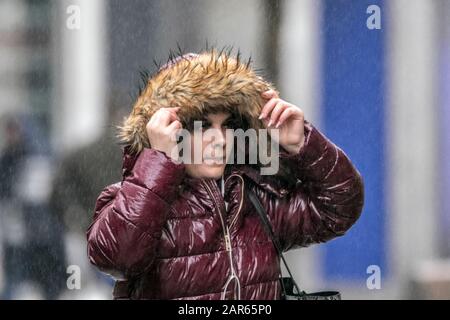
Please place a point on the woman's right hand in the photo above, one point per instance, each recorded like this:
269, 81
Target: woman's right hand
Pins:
162, 129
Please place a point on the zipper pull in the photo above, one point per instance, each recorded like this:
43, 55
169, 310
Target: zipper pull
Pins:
227, 242
223, 193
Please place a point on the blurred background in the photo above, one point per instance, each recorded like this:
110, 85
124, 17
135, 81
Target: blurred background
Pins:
374, 76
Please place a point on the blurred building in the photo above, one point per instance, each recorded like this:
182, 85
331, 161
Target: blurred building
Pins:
29, 233
26, 58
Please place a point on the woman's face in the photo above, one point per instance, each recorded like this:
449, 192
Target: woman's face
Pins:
211, 140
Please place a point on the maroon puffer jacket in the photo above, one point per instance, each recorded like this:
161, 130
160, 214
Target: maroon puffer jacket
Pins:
166, 234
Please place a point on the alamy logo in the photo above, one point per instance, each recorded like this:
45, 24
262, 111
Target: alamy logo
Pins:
73, 21
374, 280
261, 148
74, 280
374, 20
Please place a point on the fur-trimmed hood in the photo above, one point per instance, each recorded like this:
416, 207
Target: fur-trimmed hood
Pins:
198, 84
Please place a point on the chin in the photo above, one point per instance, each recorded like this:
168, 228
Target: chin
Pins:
207, 171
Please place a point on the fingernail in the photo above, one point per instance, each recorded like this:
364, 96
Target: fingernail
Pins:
278, 124
270, 122
261, 117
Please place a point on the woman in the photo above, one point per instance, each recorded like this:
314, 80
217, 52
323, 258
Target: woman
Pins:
175, 229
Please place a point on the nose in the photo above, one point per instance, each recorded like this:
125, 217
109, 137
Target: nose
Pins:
219, 138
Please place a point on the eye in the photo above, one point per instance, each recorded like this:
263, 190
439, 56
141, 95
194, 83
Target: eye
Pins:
206, 125
230, 124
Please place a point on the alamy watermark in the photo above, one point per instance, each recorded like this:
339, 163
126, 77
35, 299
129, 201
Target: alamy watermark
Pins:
374, 280
73, 21
73, 281
192, 149
373, 22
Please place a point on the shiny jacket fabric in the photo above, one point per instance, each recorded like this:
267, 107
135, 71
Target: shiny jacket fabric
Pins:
164, 235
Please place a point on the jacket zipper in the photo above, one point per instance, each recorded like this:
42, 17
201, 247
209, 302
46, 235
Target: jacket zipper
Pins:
227, 238
242, 198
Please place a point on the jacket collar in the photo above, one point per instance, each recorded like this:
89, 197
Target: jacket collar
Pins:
270, 183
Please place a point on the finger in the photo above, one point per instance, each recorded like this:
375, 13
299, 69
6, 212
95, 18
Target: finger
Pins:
165, 117
284, 116
288, 113
173, 114
279, 108
153, 118
174, 128
268, 108
269, 94
156, 118
173, 110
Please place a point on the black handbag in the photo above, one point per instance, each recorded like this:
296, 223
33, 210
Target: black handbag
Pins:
290, 289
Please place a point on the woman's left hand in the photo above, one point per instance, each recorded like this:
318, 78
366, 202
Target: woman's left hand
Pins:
278, 114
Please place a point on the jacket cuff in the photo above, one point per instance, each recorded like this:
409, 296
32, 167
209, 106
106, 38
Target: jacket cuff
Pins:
158, 172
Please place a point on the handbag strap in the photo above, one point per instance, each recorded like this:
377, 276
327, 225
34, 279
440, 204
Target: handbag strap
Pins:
268, 228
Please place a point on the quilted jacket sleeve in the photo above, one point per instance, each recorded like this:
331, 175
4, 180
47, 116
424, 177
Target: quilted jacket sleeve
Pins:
328, 198
129, 216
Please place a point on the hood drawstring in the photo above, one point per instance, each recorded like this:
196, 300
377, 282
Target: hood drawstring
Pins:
223, 193
233, 275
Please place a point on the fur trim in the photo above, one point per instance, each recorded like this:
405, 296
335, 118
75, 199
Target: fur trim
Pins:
198, 84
